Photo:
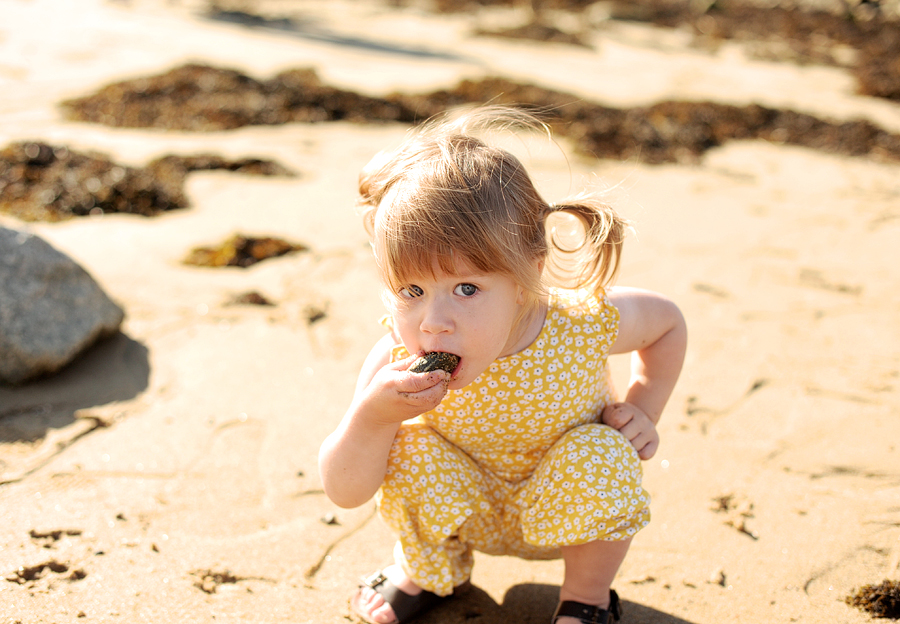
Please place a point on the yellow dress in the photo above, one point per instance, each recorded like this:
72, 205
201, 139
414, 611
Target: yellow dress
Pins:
516, 463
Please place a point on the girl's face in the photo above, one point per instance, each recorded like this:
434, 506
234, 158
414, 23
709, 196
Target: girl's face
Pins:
472, 315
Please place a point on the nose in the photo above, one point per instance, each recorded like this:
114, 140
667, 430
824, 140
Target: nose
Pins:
436, 320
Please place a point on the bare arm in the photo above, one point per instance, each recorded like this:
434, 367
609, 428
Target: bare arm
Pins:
353, 458
652, 328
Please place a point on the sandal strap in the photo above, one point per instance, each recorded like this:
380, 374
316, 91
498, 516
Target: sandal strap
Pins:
373, 580
405, 606
590, 614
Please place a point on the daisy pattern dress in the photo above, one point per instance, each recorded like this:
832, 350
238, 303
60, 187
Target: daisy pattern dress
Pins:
517, 463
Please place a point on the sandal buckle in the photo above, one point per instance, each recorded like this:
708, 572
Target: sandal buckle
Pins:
590, 614
374, 580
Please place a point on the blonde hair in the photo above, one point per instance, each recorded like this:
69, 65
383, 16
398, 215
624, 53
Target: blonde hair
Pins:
445, 195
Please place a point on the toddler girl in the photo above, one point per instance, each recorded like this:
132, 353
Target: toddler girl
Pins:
522, 449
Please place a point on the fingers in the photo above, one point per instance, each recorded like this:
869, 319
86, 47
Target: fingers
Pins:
397, 376
634, 425
424, 390
397, 394
417, 382
402, 365
617, 415
644, 440
646, 446
649, 451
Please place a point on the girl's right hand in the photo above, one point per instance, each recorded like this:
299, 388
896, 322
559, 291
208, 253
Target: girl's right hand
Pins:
395, 394
354, 457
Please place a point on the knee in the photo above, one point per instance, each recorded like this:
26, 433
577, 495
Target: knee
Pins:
599, 447
432, 480
422, 464
413, 449
413, 442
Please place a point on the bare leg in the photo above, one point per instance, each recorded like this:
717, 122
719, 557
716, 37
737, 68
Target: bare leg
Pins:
590, 570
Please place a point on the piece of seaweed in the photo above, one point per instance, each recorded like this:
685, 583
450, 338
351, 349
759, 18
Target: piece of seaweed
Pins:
242, 251
881, 600
43, 182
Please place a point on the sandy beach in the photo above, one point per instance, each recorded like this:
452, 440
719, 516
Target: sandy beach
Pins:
169, 474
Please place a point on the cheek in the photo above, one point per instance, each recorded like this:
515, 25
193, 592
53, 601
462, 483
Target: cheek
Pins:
405, 330
493, 336
401, 326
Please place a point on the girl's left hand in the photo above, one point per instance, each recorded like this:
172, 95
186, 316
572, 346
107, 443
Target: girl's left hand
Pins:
634, 425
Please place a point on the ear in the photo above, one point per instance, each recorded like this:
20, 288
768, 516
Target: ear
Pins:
521, 295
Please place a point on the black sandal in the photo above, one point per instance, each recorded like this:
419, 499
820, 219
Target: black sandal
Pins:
589, 614
406, 606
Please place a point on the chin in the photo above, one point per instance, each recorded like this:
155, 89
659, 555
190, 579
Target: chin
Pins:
459, 383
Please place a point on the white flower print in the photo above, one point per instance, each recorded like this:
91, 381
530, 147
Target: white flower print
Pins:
505, 435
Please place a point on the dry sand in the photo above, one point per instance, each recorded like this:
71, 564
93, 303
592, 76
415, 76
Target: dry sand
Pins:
169, 474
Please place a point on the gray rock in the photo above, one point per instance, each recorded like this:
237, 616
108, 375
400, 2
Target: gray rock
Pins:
50, 308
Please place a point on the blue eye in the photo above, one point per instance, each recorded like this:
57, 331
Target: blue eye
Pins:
465, 290
411, 292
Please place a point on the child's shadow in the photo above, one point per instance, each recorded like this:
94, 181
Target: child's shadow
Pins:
528, 603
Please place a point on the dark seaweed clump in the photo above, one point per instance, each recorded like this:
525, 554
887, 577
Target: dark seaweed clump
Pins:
41, 182
201, 98
208, 162
242, 251
675, 131
882, 600
809, 36
878, 70
251, 297
804, 35
434, 361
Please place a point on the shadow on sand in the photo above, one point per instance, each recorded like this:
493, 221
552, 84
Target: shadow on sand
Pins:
528, 603
116, 368
306, 29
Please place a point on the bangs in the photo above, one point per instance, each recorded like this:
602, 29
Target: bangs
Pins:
409, 246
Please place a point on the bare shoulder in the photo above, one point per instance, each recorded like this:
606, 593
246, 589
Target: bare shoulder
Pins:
644, 316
